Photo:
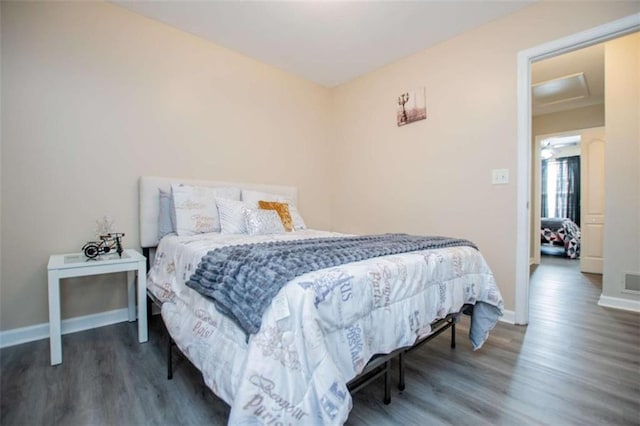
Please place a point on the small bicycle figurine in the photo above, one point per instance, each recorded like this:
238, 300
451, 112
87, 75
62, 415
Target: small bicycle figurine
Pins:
107, 243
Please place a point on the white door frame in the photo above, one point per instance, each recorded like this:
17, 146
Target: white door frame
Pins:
567, 44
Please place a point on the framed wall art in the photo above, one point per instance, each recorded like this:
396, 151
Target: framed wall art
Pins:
412, 106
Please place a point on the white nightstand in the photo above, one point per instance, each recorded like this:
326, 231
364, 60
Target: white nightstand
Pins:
77, 265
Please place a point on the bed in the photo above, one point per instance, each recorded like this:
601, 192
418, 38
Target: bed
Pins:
323, 329
561, 232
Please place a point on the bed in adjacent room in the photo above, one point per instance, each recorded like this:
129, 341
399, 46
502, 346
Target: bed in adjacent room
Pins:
285, 354
561, 232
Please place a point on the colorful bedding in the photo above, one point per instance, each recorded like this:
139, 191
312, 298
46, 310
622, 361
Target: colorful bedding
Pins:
563, 232
322, 327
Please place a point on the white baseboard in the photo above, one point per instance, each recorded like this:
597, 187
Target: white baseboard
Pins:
619, 303
508, 316
31, 333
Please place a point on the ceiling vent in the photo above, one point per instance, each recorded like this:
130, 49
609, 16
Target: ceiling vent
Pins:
563, 89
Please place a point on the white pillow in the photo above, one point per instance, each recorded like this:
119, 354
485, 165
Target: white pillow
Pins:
231, 214
252, 198
260, 222
296, 217
195, 207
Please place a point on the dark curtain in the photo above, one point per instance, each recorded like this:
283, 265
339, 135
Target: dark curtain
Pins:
567, 188
573, 188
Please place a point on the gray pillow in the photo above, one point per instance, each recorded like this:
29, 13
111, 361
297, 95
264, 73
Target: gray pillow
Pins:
166, 216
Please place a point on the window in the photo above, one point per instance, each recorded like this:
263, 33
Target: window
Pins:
561, 188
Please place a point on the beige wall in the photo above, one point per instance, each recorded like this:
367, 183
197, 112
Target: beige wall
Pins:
93, 97
433, 176
622, 162
564, 121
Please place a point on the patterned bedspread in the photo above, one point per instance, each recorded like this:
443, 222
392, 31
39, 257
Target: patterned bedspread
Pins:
564, 232
322, 327
243, 280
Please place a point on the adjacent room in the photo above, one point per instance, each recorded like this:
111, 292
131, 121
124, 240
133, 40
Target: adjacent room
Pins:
568, 174
142, 141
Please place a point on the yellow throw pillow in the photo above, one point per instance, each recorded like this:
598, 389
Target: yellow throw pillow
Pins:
283, 211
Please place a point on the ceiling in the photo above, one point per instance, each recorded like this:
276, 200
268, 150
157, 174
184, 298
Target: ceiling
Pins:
327, 42
587, 62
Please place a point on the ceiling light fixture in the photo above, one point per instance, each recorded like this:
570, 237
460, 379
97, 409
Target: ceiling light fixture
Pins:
557, 141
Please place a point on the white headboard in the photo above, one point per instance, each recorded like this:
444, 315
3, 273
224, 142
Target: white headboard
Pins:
150, 199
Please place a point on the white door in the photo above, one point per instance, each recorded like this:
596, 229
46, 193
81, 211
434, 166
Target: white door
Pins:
592, 200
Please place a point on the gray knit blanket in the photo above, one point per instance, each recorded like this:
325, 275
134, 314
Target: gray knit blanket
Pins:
244, 279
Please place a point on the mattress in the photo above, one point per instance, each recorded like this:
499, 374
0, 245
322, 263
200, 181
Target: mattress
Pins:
321, 329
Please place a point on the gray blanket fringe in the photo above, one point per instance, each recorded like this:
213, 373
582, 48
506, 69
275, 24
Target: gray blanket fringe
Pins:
244, 279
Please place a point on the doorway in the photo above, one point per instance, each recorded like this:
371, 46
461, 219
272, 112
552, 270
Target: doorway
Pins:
568, 108
568, 199
584, 39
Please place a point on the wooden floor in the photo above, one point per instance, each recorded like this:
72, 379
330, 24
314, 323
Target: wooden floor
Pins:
575, 364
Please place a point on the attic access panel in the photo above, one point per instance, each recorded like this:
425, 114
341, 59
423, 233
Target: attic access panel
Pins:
562, 89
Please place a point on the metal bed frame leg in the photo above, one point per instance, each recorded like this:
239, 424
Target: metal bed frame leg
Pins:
401, 384
149, 309
453, 335
171, 343
387, 384
169, 358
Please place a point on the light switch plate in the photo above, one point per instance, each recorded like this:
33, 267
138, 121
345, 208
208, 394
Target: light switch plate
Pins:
500, 176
